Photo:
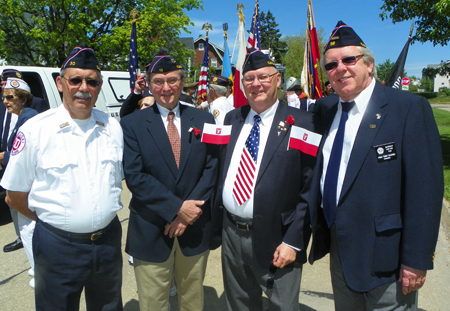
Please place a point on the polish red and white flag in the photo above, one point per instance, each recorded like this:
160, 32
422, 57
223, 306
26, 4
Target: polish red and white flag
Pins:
306, 141
216, 134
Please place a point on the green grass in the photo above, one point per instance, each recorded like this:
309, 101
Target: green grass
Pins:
442, 118
440, 100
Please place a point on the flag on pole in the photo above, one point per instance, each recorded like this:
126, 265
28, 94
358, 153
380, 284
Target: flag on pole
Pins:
204, 76
226, 64
133, 56
238, 93
254, 39
310, 74
396, 74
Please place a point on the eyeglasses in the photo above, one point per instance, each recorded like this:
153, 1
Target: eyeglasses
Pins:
271, 279
170, 82
9, 96
78, 81
264, 78
347, 61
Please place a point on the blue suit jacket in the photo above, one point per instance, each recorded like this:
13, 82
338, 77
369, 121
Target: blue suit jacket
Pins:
280, 211
389, 211
159, 188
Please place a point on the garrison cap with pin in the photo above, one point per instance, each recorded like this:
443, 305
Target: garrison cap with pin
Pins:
219, 80
11, 73
82, 57
16, 84
343, 35
162, 63
256, 59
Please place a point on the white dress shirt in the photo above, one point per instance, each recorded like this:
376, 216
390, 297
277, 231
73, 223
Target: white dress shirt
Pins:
355, 116
74, 178
246, 209
164, 112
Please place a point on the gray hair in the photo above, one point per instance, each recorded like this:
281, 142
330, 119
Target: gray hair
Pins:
367, 58
220, 90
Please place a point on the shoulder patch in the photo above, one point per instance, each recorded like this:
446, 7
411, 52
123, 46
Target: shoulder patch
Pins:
216, 113
18, 144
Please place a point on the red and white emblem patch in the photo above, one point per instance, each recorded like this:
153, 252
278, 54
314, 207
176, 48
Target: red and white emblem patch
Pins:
18, 144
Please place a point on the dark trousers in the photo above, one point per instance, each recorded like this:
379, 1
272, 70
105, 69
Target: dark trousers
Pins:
64, 267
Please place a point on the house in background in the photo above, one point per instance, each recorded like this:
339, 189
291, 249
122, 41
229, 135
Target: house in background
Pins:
440, 81
215, 54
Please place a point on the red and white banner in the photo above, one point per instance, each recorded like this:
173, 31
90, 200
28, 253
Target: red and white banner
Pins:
216, 134
306, 141
238, 89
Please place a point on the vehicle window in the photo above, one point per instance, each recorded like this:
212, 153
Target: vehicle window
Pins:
120, 88
35, 82
54, 76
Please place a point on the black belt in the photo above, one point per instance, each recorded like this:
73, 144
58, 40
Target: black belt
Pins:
86, 237
240, 223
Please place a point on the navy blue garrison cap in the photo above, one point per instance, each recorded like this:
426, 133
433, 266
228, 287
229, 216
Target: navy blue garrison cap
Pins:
343, 35
82, 57
163, 63
256, 59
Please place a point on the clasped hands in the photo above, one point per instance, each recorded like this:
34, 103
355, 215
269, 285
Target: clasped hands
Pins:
189, 212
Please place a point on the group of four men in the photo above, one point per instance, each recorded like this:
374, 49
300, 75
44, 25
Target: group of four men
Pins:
372, 201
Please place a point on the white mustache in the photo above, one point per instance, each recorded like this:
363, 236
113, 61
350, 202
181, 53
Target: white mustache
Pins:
82, 95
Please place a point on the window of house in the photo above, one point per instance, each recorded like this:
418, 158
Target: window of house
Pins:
214, 62
201, 46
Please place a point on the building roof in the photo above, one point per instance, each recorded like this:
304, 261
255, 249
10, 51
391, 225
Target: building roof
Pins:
219, 50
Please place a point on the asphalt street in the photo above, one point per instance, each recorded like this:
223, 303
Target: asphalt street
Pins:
316, 293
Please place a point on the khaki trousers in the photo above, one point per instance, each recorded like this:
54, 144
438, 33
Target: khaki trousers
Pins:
154, 280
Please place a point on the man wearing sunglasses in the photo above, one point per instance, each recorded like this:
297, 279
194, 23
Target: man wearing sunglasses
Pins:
377, 190
263, 190
65, 171
171, 174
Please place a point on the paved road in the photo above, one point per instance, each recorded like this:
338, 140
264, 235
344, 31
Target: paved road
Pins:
316, 294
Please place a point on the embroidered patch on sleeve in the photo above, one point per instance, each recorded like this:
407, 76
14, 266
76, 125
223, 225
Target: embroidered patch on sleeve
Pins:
18, 144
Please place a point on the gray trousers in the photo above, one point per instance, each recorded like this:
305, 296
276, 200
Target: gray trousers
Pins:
385, 297
245, 280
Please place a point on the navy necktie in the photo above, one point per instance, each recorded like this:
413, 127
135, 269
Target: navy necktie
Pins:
332, 174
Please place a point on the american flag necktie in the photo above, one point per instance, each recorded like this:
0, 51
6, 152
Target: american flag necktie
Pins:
174, 138
332, 174
243, 185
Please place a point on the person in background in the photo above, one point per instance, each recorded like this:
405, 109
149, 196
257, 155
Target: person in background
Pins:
65, 172
218, 103
376, 195
17, 99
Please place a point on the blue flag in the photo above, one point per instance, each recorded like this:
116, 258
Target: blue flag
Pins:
133, 56
226, 64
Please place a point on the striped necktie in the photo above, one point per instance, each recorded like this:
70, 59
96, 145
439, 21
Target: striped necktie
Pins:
332, 174
174, 138
245, 177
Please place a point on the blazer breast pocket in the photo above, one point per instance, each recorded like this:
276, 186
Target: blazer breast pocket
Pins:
388, 231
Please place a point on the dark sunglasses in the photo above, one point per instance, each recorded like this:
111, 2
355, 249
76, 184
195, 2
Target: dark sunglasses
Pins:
347, 61
9, 96
271, 279
78, 81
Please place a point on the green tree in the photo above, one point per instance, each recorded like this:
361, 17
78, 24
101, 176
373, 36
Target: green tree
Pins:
44, 32
271, 36
384, 69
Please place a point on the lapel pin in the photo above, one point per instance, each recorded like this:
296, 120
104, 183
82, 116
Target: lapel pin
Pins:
372, 126
63, 125
378, 116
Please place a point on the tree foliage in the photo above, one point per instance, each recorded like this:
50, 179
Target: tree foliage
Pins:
432, 18
293, 59
385, 68
271, 36
43, 32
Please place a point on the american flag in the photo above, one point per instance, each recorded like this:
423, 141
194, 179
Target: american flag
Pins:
133, 56
254, 38
204, 76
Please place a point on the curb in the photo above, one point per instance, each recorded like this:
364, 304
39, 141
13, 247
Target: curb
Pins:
445, 216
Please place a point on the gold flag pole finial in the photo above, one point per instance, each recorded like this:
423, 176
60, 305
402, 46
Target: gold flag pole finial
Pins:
207, 26
134, 13
240, 6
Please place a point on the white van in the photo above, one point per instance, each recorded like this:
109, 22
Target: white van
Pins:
42, 81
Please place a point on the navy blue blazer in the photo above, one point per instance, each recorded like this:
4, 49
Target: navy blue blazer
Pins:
281, 190
389, 211
159, 188
26, 114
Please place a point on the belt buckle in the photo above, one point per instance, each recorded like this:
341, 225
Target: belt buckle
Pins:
242, 226
96, 235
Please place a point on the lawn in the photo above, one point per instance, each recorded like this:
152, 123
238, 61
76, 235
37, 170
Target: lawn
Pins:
443, 122
440, 100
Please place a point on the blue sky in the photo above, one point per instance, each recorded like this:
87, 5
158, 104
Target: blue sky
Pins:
384, 38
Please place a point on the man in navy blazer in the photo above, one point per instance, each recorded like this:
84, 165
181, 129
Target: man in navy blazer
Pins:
265, 235
170, 209
380, 222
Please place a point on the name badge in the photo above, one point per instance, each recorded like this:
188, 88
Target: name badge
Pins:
386, 152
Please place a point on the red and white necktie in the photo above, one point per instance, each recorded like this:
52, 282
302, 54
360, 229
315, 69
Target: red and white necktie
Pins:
174, 138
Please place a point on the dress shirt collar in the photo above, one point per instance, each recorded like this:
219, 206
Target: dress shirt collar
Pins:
67, 123
362, 100
267, 115
165, 112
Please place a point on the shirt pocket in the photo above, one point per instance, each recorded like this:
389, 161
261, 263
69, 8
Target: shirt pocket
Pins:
60, 170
